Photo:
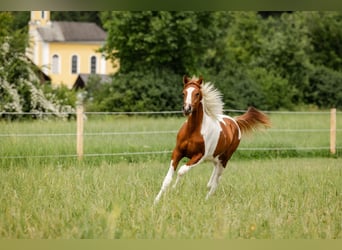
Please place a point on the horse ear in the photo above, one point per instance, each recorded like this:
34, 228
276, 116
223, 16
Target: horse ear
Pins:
200, 80
185, 79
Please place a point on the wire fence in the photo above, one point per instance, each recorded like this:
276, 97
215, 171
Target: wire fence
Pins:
171, 112
169, 132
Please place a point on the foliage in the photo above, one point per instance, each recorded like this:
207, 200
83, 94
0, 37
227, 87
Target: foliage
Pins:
325, 88
279, 60
146, 40
77, 16
136, 91
326, 38
270, 61
21, 18
20, 89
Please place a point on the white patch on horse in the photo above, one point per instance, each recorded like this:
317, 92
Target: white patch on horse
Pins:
166, 182
189, 95
210, 131
221, 117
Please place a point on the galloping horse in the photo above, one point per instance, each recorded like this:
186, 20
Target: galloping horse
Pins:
208, 134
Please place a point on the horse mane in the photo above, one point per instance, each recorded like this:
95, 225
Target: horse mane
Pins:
212, 100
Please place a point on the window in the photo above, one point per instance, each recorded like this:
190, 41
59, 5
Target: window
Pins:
55, 64
93, 64
74, 64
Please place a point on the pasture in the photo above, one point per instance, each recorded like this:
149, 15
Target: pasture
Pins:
271, 194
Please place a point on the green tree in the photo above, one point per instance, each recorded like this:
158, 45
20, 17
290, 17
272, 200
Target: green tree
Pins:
155, 49
271, 61
325, 88
149, 40
77, 16
325, 33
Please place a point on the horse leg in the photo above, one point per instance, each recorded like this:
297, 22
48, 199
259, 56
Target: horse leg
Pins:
210, 182
215, 178
166, 182
168, 178
183, 169
194, 161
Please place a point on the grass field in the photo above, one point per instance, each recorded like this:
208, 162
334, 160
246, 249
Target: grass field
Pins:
58, 137
263, 194
268, 199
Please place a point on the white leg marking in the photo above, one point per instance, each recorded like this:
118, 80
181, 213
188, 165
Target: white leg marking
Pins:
182, 170
166, 182
176, 182
210, 182
215, 179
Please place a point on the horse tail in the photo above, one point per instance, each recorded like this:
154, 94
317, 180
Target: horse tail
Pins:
252, 120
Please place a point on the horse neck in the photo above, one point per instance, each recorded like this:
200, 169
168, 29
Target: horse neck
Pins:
195, 120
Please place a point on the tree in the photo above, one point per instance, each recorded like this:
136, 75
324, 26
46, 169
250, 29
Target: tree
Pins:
20, 90
155, 49
325, 34
325, 88
77, 16
150, 40
273, 61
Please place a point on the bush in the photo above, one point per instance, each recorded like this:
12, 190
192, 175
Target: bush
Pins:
138, 91
20, 88
325, 89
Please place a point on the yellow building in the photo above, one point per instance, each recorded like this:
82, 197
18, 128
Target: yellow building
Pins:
63, 50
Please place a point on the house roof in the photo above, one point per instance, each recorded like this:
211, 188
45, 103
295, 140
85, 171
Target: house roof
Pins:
39, 73
82, 79
71, 32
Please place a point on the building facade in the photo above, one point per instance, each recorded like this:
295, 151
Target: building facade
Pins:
63, 50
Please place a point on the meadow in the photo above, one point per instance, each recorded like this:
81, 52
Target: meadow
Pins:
263, 194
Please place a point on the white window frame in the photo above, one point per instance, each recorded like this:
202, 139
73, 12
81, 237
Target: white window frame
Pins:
56, 65
77, 64
91, 64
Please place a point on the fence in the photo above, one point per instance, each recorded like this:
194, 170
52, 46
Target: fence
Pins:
80, 134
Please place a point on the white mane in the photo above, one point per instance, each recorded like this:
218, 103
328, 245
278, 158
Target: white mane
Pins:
212, 100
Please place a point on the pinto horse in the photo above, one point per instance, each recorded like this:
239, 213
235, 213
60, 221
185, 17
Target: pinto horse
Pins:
208, 134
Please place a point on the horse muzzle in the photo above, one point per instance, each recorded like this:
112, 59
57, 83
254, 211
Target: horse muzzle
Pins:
187, 109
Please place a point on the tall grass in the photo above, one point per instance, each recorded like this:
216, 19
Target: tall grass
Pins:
263, 194
268, 199
98, 141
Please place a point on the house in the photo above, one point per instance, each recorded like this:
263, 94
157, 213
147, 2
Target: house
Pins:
63, 50
82, 80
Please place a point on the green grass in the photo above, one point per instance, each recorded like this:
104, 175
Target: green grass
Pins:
268, 194
103, 143
264, 199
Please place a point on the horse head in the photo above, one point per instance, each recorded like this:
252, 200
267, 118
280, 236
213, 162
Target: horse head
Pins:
192, 94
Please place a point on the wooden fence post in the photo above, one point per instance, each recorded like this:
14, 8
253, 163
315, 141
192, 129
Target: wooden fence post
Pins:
333, 131
79, 120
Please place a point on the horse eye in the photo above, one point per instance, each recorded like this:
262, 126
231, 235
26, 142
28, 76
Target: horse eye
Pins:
197, 94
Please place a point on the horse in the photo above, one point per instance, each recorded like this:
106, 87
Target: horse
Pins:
208, 134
